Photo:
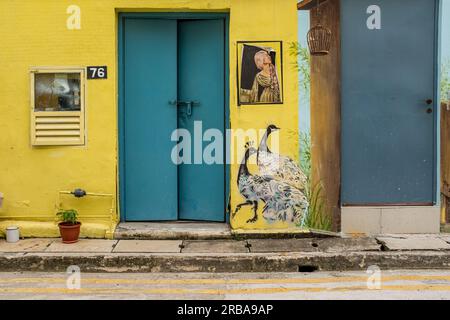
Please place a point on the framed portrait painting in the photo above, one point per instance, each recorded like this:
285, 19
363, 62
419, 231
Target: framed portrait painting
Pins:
260, 77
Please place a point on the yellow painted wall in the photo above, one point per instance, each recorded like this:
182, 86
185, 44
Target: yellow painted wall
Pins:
34, 33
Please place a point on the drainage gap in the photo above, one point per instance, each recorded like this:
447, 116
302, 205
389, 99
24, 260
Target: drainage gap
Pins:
383, 246
307, 269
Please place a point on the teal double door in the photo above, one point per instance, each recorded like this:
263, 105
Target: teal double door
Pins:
172, 77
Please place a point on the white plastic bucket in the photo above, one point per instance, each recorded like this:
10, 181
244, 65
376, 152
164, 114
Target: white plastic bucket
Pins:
12, 234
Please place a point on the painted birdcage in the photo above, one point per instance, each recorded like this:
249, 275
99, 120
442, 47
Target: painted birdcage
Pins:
319, 37
319, 40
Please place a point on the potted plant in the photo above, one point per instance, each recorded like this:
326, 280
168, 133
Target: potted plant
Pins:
69, 227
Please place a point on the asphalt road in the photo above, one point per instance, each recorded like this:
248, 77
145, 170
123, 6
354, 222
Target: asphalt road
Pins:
319, 285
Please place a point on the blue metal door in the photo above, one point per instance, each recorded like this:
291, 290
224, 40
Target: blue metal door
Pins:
201, 80
388, 103
173, 77
150, 81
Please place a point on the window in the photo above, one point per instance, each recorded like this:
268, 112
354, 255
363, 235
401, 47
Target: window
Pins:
57, 107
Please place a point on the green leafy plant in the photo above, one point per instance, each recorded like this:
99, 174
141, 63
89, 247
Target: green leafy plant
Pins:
305, 153
317, 216
302, 63
68, 216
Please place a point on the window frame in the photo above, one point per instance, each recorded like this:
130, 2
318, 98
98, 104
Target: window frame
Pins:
55, 114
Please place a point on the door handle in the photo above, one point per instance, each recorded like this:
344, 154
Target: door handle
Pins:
429, 101
187, 104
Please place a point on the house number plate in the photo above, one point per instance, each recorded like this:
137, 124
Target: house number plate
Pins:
97, 72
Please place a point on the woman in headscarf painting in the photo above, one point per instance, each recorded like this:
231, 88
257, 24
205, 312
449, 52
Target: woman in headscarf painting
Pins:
266, 88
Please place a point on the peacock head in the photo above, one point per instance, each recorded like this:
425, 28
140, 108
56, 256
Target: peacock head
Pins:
250, 150
272, 128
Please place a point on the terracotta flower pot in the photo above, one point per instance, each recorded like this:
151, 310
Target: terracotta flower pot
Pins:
69, 232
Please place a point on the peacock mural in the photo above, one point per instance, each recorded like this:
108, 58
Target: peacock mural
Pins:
280, 167
279, 185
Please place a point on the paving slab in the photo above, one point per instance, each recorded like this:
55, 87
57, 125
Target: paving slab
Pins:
445, 237
172, 231
281, 245
25, 245
347, 244
83, 245
414, 243
314, 245
214, 246
148, 246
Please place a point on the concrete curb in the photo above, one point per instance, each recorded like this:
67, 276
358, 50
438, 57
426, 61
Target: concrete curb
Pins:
291, 262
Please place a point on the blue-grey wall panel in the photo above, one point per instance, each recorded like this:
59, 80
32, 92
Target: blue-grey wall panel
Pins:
388, 129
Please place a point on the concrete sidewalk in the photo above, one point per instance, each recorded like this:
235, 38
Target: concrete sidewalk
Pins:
253, 255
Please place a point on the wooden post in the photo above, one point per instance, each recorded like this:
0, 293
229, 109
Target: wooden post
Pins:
326, 111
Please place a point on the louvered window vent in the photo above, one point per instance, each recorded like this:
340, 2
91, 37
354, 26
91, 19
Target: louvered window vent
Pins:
57, 107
